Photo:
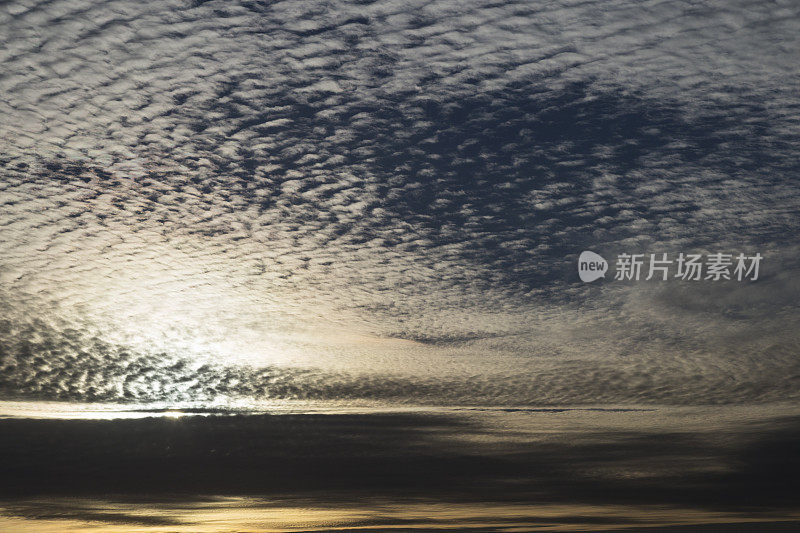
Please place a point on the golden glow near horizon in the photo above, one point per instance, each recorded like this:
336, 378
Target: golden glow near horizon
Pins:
236, 514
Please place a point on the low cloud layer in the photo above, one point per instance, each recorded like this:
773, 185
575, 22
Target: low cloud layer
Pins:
376, 200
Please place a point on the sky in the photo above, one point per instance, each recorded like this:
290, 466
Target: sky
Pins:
387, 200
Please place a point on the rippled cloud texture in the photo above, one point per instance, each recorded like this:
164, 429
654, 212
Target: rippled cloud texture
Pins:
335, 200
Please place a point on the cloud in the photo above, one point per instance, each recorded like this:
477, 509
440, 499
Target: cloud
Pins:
690, 467
383, 201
